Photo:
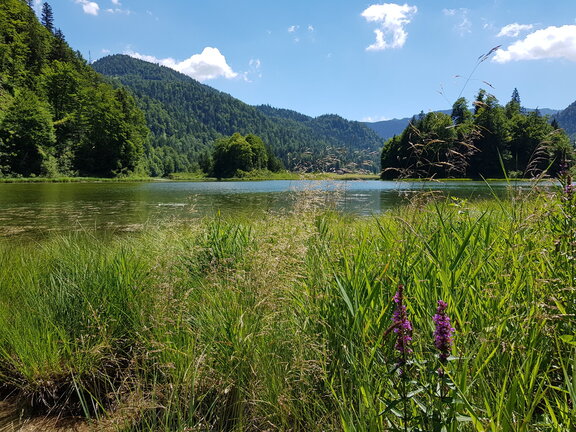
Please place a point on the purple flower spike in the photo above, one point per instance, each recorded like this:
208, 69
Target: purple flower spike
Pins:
444, 332
401, 323
569, 190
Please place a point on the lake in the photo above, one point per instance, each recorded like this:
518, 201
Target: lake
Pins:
38, 209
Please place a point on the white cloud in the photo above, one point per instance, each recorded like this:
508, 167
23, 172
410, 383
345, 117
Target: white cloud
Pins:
551, 42
89, 7
514, 29
116, 2
293, 28
392, 18
254, 65
311, 28
210, 64
464, 25
119, 11
374, 119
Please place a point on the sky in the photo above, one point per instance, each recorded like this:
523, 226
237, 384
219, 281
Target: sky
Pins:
363, 60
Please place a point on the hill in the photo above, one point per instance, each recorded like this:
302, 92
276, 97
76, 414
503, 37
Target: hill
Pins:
185, 118
567, 120
58, 116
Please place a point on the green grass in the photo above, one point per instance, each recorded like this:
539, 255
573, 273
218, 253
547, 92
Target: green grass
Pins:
283, 323
255, 175
77, 179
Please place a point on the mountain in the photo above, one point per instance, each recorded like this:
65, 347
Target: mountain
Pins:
567, 120
185, 118
386, 129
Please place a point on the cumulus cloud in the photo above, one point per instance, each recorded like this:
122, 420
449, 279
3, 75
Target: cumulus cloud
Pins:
210, 64
89, 7
116, 2
548, 43
293, 28
514, 29
392, 18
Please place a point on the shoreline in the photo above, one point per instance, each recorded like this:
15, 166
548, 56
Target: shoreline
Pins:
288, 176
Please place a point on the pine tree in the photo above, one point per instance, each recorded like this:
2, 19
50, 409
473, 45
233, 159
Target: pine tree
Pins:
514, 106
47, 17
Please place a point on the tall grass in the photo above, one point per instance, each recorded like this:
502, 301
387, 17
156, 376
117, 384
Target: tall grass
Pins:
284, 323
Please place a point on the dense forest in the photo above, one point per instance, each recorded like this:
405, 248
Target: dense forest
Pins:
490, 141
58, 116
186, 117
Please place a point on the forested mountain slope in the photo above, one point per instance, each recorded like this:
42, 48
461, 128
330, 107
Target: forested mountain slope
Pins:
186, 117
58, 116
567, 120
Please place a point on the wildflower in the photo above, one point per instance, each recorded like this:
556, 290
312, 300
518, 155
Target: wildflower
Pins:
401, 323
569, 191
443, 332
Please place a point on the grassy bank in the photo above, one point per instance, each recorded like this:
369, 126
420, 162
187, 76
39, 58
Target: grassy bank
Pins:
285, 323
193, 177
77, 179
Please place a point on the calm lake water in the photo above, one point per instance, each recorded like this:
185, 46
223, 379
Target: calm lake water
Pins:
38, 209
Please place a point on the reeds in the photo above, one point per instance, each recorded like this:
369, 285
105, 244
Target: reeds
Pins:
286, 322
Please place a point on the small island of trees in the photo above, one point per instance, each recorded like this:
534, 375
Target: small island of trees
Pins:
489, 142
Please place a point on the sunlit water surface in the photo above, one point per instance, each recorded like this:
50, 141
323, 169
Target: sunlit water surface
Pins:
37, 209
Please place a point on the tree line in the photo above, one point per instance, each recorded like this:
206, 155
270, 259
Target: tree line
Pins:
489, 141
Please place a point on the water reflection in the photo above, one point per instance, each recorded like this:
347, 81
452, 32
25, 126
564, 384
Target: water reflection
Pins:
39, 209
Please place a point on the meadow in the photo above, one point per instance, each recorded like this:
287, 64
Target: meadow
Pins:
293, 322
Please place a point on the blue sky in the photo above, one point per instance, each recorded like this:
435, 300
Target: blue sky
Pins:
363, 60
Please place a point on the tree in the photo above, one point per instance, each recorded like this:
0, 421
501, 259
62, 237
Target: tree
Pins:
460, 111
27, 135
47, 18
514, 106
424, 149
259, 153
113, 132
238, 153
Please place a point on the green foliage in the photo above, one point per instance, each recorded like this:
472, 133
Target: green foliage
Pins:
27, 135
238, 153
284, 323
492, 142
57, 116
187, 116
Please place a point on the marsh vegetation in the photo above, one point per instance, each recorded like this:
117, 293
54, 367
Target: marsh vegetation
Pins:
286, 323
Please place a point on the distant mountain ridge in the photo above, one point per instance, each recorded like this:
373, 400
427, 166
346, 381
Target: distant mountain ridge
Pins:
567, 120
186, 116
